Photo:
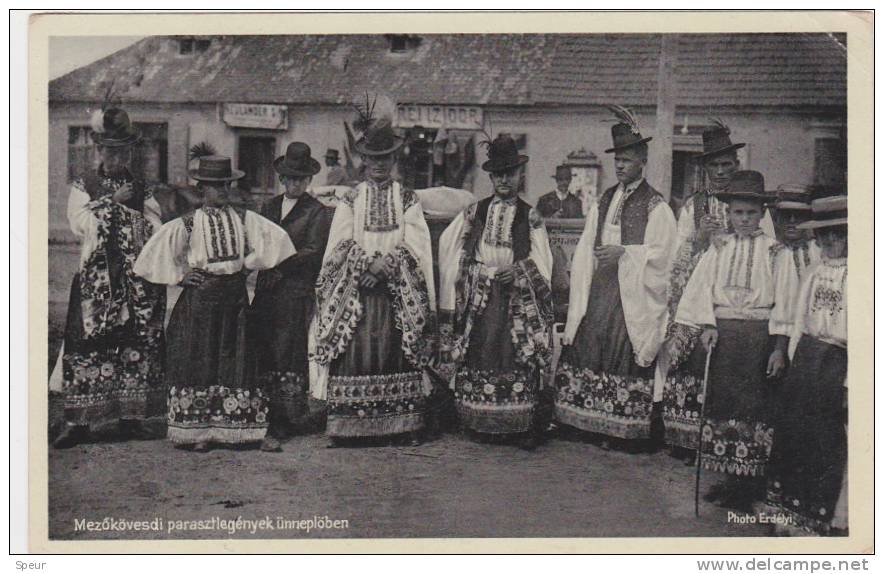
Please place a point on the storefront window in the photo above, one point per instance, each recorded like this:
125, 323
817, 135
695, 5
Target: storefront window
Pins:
438, 157
256, 155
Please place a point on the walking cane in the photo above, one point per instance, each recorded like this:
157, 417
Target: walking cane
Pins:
700, 438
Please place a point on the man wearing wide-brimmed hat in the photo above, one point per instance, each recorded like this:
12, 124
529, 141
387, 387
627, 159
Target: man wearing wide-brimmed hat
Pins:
560, 202
729, 299
617, 301
495, 266
283, 304
212, 397
806, 476
704, 215
375, 299
111, 361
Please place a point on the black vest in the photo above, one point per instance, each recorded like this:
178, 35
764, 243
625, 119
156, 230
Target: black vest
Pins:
521, 229
634, 217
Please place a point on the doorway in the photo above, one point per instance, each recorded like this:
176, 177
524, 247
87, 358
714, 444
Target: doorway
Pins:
256, 155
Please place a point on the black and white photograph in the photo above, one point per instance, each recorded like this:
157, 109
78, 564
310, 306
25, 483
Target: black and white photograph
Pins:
450, 285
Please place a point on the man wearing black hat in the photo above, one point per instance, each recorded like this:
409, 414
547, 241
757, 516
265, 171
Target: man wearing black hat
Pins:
617, 300
336, 175
111, 365
703, 214
283, 304
209, 252
560, 202
729, 299
495, 265
376, 302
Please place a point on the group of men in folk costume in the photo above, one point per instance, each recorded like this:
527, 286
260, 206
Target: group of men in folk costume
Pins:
348, 309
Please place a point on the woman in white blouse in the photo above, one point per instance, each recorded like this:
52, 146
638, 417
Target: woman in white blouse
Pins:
212, 398
809, 455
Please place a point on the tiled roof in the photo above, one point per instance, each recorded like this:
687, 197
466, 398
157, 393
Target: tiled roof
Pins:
710, 70
496, 69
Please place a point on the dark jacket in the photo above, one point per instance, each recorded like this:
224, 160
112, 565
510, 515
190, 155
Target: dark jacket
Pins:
549, 204
308, 225
634, 217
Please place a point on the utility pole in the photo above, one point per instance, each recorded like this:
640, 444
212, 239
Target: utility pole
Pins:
660, 164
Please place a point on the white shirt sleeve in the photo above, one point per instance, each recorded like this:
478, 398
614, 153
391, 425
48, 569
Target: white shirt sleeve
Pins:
80, 217
341, 228
695, 308
164, 257
643, 274
450, 248
270, 244
582, 267
541, 253
417, 239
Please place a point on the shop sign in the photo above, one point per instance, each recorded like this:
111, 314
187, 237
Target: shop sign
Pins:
438, 116
261, 116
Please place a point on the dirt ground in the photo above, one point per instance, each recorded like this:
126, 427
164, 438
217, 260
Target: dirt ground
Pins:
449, 487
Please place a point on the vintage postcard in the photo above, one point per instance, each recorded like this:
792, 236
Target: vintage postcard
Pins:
413, 282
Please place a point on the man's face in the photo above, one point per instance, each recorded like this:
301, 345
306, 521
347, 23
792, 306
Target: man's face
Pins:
719, 169
506, 183
379, 167
215, 194
330, 161
833, 241
563, 182
295, 187
115, 159
787, 221
628, 165
745, 216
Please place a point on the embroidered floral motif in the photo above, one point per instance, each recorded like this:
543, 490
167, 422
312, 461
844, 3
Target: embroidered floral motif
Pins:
412, 305
616, 405
806, 515
682, 403
368, 405
736, 447
217, 406
106, 385
221, 243
496, 402
105, 308
532, 313
827, 299
380, 207
287, 390
499, 224
337, 299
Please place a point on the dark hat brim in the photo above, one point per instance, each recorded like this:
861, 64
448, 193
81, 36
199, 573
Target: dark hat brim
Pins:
728, 196
235, 175
629, 145
491, 167
819, 224
130, 140
360, 148
716, 152
283, 168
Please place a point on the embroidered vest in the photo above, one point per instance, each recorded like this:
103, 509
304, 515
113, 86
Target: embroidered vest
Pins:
521, 229
634, 218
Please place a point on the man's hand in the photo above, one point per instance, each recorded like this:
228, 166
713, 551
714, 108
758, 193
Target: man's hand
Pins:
505, 275
368, 279
124, 193
609, 254
776, 364
709, 338
194, 278
378, 267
